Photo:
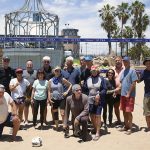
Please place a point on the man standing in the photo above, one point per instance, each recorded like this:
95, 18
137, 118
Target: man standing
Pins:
145, 76
70, 73
86, 73
77, 103
6, 73
128, 82
48, 75
119, 68
30, 75
6, 118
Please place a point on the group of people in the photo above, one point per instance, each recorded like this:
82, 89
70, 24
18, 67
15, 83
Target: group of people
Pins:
81, 91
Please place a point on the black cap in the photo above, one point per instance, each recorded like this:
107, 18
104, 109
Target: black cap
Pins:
145, 60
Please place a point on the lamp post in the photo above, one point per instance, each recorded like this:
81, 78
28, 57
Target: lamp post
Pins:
86, 48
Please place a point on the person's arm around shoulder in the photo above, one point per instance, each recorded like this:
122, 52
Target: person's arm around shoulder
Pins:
68, 84
49, 100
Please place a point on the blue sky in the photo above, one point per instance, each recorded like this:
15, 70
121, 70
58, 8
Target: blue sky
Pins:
79, 14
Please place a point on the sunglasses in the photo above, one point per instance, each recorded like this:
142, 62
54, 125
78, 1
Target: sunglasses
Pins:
78, 90
6, 60
57, 70
46, 62
19, 72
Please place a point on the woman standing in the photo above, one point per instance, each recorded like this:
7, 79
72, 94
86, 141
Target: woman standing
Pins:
97, 90
18, 87
58, 94
39, 96
110, 95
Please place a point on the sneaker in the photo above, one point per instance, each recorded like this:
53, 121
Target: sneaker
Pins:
96, 137
76, 132
66, 135
123, 129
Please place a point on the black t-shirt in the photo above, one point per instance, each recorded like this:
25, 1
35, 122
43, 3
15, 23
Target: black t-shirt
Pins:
5, 76
145, 76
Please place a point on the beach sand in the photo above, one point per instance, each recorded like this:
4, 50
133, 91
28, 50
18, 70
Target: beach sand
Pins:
110, 140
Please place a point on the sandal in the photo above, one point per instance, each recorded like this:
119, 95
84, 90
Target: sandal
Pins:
96, 137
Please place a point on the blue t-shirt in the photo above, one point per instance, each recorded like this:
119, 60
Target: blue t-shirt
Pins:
145, 76
128, 76
73, 75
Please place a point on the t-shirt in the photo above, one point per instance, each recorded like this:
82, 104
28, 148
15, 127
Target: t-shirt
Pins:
128, 76
4, 102
41, 87
20, 89
145, 76
29, 76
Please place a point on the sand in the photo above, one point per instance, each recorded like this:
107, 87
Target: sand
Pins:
110, 140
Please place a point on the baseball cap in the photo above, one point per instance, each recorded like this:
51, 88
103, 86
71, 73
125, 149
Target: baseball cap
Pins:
6, 58
75, 87
126, 58
57, 68
19, 70
88, 58
145, 60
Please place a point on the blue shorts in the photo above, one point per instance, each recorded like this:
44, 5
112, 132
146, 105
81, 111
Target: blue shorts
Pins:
8, 123
95, 109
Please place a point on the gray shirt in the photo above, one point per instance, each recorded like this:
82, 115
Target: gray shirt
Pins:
78, 108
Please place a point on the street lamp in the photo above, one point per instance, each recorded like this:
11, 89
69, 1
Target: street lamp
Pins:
86, 48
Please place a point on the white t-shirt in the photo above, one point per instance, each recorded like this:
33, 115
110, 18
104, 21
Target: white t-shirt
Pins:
4, 102
20, 89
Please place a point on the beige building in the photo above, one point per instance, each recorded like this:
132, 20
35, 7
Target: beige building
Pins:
71, 46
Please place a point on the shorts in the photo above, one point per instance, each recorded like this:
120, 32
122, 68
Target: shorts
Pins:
127, 104
59, 104
95, 109
146, 106
27, 102
8, 123
117, 98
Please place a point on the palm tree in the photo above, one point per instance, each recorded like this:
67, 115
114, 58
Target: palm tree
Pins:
116, 34
140, 21
127, 33
123, 13
107, 14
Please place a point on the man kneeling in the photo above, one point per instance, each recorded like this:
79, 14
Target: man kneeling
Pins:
77, 103
6, 118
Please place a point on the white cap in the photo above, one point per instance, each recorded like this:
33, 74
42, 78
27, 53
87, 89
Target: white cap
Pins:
70, 58
46, 58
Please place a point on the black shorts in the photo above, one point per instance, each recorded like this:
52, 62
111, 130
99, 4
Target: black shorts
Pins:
59, 104
117, 98
8, 123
